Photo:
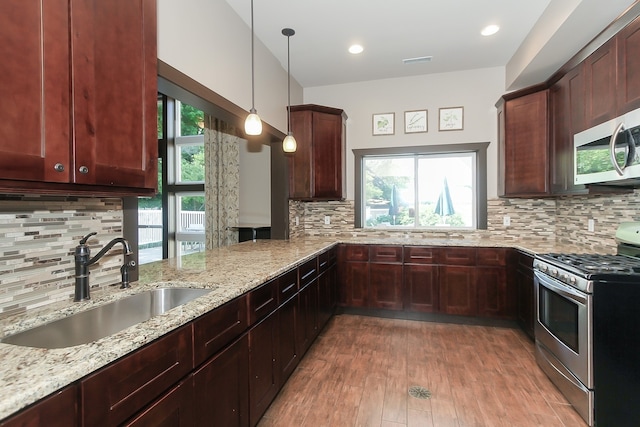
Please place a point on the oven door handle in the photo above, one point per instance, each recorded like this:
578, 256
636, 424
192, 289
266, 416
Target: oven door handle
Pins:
561, 289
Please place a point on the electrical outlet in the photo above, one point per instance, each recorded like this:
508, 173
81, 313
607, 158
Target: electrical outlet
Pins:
591, 225
297, 220
506, 220
327, 220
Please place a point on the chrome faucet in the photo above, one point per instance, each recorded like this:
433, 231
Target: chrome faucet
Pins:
83, 261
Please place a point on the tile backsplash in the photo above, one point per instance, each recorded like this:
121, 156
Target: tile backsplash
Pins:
38, 236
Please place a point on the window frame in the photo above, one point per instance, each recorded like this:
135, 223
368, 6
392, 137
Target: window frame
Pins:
480, 150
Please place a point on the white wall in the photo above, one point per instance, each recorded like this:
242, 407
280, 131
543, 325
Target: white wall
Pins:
475, 90
207, 41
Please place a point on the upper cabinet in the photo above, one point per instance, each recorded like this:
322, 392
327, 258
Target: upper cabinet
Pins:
80, 103
628, 47
523, 145
600, 79
317, 168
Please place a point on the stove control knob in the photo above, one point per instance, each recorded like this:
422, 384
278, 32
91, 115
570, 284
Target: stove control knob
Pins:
564, 277
572, 280
554, 272
544, 267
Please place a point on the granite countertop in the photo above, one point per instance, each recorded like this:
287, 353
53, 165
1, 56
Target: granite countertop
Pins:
29, 374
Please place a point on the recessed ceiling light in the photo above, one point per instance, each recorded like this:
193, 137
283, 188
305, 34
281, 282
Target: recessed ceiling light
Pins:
489, 30
355, 49
417, 60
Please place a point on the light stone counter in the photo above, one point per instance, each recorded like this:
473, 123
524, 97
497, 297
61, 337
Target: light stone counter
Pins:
29, 374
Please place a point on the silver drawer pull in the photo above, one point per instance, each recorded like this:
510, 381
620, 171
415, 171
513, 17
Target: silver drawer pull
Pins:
59, 167
83, 169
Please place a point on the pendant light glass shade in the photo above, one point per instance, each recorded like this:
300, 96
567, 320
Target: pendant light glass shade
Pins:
252, 124
289, 144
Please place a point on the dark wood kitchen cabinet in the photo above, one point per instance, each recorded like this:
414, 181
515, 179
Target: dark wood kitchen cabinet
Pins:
317, 168
264, 381
568, 118
600, 83
174, 408
420, 276
221, 387
117, 392
523, 144
385, 277
495, 297
307, 327
353, 275
628, 88
58, 410
327, 276
458, 290
80, 109
288, 352
525, 295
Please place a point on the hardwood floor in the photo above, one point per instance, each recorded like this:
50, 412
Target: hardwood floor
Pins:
359, 370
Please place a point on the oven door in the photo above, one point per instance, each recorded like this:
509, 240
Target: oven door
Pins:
564, 325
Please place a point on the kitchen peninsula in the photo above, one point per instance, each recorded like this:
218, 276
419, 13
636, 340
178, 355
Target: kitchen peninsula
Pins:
30, 374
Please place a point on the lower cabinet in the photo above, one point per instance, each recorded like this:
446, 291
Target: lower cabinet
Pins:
421, 288
58, 410
263, 367
174, 408
458, 290
385, 286
220, 386
525, 293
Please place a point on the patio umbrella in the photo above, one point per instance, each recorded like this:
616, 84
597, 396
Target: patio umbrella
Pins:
444, 207
394, 203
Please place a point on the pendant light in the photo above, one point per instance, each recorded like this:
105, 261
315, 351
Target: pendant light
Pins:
289, 143
252, 124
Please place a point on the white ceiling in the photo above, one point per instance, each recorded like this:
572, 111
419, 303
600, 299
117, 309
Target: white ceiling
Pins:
536, 37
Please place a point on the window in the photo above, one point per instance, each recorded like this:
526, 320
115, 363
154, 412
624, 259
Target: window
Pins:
172, 223
422, 187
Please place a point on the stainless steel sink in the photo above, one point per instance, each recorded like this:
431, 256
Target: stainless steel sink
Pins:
105, 320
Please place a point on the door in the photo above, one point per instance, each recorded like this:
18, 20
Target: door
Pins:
115, 66
35, 129
263, 367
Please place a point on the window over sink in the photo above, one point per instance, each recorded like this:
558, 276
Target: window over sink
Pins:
432, 187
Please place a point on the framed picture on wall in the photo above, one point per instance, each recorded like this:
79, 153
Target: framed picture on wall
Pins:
383, 124
415, 121
451, 118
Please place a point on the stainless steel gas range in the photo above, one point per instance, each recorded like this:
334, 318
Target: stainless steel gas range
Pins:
588, 329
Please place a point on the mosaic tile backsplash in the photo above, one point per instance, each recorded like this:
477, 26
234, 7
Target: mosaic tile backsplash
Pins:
38, 236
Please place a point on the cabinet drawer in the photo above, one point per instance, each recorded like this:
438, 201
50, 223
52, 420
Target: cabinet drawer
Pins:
379, 253
263, 301
218, 328
421, 255
324, 261
307, 272
115, 393
458, 256
525, 261
355, 253
287, 286
491, 256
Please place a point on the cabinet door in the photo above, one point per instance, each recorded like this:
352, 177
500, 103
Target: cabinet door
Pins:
58, 410
307, 316
568, 113
458, 290
354, 284
35, 129
600, 80
385, 286
118, 391
263, 367
526, 145
221, 388
628, 41
525, 298
421, 287
328, 158
495, 299
288, 356
325, 304
114, 63
173, 409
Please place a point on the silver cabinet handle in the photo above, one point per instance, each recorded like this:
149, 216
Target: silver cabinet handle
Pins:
59, 167
83, 169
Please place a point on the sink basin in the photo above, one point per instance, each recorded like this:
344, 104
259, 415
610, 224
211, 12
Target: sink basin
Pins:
105, 320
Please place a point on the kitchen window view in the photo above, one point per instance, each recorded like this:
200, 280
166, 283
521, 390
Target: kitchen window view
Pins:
420, 191
180, 198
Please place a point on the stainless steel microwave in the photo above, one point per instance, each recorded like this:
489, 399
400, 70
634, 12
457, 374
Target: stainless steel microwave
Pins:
609, 153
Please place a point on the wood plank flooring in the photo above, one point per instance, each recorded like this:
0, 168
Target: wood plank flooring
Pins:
359, 370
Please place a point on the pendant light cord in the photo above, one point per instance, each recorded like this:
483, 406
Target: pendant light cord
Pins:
288, 86
253, 98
